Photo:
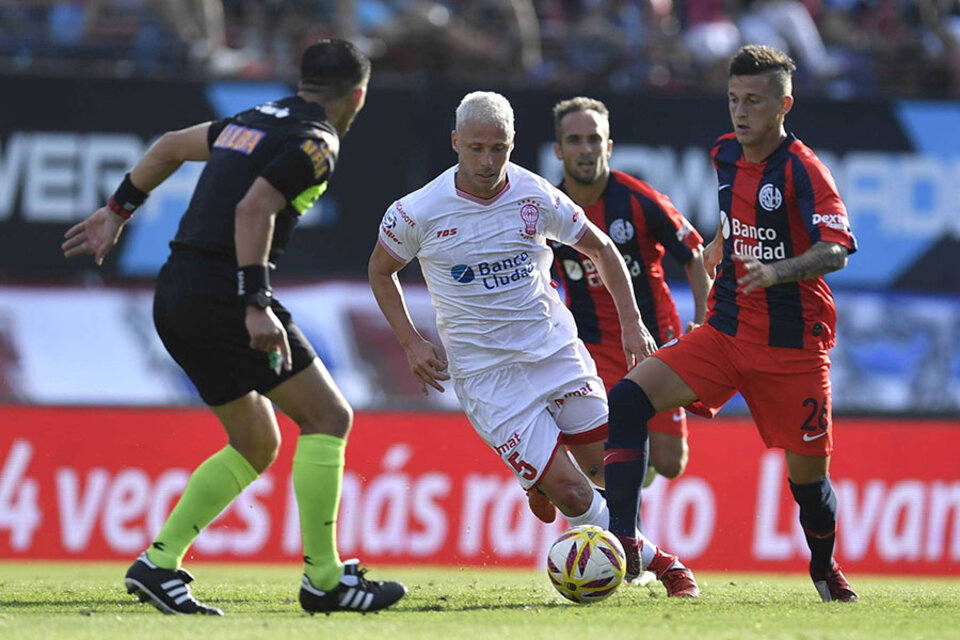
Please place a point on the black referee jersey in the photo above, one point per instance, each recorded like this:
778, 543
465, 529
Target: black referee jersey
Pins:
289, 143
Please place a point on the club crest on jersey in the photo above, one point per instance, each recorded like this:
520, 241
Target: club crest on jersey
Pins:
770, 197
530, 214
621, 231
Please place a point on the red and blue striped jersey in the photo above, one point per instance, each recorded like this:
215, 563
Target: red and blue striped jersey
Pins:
644, 224
776, 209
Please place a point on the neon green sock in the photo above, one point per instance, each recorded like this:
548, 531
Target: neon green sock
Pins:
317, 476
213, 486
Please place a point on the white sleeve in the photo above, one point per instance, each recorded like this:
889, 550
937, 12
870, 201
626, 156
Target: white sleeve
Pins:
565, 220
399, 234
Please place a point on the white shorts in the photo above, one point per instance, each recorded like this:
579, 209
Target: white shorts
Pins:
525, 411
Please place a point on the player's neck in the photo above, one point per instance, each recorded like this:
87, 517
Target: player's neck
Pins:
762, 150
337, 111
479, 192
585, 194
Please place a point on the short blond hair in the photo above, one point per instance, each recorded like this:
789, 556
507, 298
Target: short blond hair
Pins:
487, 107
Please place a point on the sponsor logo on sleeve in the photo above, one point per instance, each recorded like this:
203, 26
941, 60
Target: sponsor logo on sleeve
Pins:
388, 225
389, 220
833, 221
403, 214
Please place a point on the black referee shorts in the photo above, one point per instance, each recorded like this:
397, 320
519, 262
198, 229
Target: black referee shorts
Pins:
201, 322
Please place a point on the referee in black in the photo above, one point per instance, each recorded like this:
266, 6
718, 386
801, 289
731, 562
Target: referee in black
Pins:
216, 314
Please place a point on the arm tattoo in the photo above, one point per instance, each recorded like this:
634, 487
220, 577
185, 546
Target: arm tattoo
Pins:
821, 258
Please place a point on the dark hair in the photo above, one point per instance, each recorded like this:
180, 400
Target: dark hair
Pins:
565, 107
757, 59
332, 67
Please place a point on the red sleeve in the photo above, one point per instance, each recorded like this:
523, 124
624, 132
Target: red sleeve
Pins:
668, 225
821, 208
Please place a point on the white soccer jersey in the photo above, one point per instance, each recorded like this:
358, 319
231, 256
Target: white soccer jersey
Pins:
487, 266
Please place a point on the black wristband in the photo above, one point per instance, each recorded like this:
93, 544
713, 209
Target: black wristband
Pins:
251, 279
126, 199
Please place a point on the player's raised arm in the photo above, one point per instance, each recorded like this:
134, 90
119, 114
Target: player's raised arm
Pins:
596, 245
427, 361
99, 233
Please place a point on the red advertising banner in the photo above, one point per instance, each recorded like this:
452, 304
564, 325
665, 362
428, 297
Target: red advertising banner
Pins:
421, 488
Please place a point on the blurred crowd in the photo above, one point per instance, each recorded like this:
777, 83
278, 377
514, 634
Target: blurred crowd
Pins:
844, 48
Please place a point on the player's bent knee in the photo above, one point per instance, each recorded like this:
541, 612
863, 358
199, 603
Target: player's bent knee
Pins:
335, 421
669, 468
571, 497
669, 461
260, 451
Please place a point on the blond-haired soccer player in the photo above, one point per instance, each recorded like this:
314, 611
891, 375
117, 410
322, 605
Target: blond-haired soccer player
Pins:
524, 379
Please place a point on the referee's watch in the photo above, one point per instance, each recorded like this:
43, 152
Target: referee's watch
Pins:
260, 299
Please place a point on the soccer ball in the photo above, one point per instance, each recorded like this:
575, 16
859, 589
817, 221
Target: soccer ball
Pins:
586, 564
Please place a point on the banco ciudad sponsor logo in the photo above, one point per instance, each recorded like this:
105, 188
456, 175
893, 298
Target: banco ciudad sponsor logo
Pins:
497, 273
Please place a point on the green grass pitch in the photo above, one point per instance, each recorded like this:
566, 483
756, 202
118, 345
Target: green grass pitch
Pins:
87, 600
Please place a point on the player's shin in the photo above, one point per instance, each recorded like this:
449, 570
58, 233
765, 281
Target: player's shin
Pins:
625, 454
317, 478
212, 486
596, 513
818, 516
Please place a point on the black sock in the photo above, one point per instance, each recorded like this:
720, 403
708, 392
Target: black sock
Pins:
818, 516
626, 453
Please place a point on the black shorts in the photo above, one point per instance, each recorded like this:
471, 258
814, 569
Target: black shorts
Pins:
201, 322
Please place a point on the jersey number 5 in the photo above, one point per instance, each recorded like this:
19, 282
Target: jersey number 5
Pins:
526, 470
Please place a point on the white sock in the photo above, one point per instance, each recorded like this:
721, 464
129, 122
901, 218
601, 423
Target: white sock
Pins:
597, 513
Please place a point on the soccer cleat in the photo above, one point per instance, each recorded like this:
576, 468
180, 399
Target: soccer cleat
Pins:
678, 581
354, 593
834, 586
166, 589
541, 506
631, 550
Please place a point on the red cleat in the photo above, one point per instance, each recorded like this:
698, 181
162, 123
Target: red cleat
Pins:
541, 506
679, 582
834, 586
631, 549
